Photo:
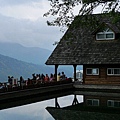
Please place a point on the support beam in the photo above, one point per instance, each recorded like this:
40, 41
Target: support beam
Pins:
56, 67
84, 74
74, 72
75, 101
56, 103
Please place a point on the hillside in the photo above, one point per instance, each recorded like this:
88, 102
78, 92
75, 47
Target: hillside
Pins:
16, 68
28, 54
12, 56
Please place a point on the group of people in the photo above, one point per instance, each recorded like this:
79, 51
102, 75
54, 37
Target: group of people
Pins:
12, 81
41, 78
37, 79
46, 78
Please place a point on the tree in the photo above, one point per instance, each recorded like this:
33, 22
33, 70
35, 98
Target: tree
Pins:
63, 10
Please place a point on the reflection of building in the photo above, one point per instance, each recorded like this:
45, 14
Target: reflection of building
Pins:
95, 45
102, 101
94, 107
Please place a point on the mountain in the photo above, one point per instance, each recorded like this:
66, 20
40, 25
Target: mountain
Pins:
16, 68
17, 60
28, 54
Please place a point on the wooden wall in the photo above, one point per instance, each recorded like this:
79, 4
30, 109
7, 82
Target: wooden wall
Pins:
102, 78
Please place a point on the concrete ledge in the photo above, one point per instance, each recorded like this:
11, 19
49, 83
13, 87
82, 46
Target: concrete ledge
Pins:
95, 87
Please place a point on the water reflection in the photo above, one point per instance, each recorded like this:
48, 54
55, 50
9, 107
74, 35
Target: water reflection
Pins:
79, 106
35, 111
95, 106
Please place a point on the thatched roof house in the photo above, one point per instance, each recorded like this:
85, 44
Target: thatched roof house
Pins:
94, 42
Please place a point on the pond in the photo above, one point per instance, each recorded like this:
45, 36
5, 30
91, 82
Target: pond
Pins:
35, 111
82, 106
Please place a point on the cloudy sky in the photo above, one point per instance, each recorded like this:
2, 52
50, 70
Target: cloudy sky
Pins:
22, 21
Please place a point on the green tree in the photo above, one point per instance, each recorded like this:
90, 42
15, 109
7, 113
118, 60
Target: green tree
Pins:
63, 10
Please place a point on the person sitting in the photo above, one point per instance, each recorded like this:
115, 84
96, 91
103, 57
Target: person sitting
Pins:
34, 77
10, 81
63, 77
58, 77
51, 77
37, 78
46, 78
21, 81
42, 78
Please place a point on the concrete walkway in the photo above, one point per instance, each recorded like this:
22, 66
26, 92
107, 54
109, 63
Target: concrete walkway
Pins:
95, 87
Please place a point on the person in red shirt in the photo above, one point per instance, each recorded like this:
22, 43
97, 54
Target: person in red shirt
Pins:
47, 78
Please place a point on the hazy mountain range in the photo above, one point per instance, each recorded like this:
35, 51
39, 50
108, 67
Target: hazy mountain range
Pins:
28, 54
16, 68
17, 60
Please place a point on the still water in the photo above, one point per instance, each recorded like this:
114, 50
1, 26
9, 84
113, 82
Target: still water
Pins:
36, 111
80, 106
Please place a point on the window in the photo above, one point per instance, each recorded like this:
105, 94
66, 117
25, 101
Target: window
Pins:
93, 102
113, 71
92, 71
105, 34
113, 103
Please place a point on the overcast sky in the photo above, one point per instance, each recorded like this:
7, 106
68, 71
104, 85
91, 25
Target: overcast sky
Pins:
22, 21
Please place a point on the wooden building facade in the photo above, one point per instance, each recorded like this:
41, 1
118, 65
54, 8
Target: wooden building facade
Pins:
94, 42
101, 74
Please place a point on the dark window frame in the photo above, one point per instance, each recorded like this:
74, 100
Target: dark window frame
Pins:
104, 34
92, 71
113, 71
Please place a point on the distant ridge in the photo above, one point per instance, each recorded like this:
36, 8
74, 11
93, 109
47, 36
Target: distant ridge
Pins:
34, 55
16, 68
17, 60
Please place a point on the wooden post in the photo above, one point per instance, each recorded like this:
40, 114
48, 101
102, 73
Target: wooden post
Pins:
74, 72
84, 73
75, 101
56, 67
56, 103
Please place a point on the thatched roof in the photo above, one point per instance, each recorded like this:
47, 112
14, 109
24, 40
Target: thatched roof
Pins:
70, 114
79, 46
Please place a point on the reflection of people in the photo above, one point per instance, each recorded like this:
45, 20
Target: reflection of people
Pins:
58, 77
